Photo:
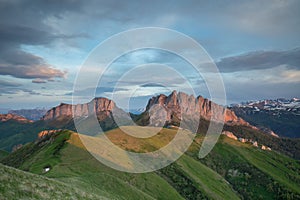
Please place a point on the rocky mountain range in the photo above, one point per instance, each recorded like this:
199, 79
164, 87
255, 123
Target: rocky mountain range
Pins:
280, 115
276, 105
161, 109
180, 104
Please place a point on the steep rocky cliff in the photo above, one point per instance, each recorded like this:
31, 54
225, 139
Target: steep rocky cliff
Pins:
97, 105
176, 105
161, 109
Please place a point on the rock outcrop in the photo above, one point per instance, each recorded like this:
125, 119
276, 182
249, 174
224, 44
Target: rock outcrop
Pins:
229, 134
7, 117
179, 104
97, 105
47, 133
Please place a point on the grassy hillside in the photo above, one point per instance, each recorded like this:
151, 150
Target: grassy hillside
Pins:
16, 184
233, 170
69, 162
13, 133
287, 146
254, 173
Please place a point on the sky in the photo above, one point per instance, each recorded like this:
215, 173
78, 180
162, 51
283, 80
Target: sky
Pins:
44, 44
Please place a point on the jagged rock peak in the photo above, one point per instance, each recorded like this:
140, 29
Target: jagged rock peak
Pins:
177, 104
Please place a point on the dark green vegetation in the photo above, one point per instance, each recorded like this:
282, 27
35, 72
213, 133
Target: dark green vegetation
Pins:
3, 154
232, 170
254, 173
283, 123
287, 146
14, 133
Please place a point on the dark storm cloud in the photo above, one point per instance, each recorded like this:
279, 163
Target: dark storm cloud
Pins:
260, 60
23, 23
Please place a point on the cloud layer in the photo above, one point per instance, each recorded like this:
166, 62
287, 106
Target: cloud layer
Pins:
23, 23
259, 60
254, 44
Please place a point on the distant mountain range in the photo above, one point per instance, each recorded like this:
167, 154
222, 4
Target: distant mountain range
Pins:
281, 115
281, 104
32, 114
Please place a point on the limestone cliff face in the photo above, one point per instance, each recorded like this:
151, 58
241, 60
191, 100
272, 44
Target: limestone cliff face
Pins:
9, 116
161, 108
97, 105
181, 104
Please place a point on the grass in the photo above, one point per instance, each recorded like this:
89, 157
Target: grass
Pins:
255, 173
71, 163
232, 170
91, 172
281, 168
142, 145
16, 184
206, 179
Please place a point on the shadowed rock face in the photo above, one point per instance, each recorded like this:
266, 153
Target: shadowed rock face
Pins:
97, 105
181, 104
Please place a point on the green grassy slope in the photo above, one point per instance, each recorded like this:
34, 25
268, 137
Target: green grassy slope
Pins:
71, 163
281, 168
208, 180
16, 184
255, 173
232, 170
287, 146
